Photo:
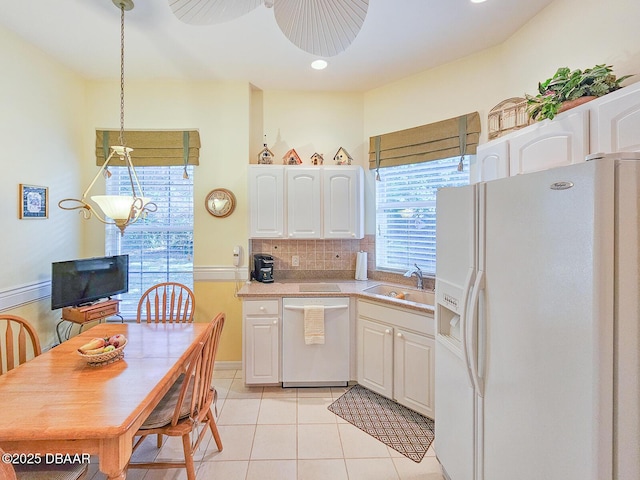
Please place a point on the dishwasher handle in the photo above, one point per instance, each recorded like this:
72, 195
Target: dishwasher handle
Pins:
326, 307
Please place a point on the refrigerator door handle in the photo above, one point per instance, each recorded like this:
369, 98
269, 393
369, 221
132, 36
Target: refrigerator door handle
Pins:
471, 335
463, 325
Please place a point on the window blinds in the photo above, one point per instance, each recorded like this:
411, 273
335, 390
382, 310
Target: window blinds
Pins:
406, 212
160, 246
429, 142
152, 147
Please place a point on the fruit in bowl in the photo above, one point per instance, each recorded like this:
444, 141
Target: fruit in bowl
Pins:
100, 345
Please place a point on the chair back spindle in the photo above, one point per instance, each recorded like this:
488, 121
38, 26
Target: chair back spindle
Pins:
168, 302
15, 350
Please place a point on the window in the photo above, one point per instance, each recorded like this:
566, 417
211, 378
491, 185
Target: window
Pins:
406, 212
160, 247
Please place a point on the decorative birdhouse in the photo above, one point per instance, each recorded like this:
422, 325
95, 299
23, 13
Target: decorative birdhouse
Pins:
342, 157
265, 156
317, 159
291, 158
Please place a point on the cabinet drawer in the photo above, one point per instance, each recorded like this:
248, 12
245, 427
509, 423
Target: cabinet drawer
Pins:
102, 312
261, 307
417, 322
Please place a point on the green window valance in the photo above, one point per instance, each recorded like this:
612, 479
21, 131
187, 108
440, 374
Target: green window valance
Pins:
434, 141
152, 147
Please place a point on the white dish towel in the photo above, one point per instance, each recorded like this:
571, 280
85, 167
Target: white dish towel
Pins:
313, 324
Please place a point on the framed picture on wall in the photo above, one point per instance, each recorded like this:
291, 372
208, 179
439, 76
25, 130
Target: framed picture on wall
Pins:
33, 201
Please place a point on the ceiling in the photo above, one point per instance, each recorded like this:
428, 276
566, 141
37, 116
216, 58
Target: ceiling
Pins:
399, 38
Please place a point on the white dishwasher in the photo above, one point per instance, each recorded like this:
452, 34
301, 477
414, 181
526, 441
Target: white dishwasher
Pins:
317, 365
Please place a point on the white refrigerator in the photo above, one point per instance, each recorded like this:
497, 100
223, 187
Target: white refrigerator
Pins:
537, 325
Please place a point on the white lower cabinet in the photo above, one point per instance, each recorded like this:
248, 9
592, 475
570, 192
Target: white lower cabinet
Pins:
413, 356
375, 356
395, 355
261, 341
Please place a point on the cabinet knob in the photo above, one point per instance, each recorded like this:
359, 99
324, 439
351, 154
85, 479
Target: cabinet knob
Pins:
399, 335
262, 309
387, 331
275, 322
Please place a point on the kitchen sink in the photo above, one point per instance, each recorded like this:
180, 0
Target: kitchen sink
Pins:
425, 297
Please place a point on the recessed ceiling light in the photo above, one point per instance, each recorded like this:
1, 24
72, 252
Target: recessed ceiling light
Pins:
319, 64
478, 1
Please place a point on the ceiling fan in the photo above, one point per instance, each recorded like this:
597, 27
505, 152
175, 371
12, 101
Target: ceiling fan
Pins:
321, 27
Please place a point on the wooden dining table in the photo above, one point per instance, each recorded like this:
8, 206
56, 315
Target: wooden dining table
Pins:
58, 404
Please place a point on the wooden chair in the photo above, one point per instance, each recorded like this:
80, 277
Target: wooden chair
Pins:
12, 326
168, 302
76, 471
186, 408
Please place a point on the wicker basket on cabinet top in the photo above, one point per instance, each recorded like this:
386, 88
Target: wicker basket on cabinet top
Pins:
508, 115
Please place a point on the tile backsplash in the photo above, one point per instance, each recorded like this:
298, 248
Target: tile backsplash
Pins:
317, 258
324, 259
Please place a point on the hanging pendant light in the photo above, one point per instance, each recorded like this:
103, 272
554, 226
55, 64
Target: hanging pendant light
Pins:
123, 210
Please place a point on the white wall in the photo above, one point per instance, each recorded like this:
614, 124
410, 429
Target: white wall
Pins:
314, 122
40, 133
571, 33
220, 111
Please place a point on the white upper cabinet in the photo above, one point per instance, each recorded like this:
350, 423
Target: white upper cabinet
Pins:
303, 202
343, 200
266, 201
491, 161
306, 202
615, 121
607, 124
550, 143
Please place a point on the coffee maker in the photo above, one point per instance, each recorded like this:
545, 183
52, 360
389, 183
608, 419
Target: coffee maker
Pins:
263, 268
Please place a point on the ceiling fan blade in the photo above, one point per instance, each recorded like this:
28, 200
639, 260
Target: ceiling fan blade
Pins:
209, 12
321, 27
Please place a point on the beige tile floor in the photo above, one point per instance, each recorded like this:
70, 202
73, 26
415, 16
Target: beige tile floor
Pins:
284, 434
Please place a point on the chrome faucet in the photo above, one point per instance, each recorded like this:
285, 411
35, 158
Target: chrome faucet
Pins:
418, 273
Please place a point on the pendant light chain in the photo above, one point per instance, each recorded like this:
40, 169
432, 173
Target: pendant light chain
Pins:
127, 160
122, 75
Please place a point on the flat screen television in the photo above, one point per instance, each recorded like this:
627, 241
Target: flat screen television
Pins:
78, 282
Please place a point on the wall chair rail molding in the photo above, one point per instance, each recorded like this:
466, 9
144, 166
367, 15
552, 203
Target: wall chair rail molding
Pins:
18, 296
207, 273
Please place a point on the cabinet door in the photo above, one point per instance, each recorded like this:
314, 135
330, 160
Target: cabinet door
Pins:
414, 372
551, 143
616, 121
375, 357
261, 350
343, 202
491, 162
266, 201
303, 202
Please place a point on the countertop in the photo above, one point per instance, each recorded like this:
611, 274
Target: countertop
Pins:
325, 288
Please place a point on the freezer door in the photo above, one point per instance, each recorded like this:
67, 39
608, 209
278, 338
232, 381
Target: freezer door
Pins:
548, 331
455, 235
455, 273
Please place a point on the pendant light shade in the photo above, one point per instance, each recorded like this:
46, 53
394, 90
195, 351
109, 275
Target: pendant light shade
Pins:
118, 207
